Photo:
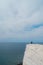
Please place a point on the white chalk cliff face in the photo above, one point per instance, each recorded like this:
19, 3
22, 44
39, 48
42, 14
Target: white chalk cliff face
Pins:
33, 54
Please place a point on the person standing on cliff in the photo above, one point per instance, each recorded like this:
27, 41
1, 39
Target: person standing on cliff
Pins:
31, 42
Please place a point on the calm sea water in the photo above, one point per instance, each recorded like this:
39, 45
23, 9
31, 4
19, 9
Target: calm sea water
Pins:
11, 53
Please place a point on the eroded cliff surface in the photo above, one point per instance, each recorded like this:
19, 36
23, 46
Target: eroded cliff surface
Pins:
33, 54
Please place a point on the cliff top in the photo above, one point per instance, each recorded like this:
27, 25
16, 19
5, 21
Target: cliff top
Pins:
33, 54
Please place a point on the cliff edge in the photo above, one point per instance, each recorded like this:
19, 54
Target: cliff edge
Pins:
33, 54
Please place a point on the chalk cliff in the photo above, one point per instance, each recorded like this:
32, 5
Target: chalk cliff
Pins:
33, 54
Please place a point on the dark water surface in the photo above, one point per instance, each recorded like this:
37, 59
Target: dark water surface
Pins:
11, 53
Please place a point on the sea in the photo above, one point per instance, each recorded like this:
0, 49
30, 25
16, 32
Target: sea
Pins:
11, 53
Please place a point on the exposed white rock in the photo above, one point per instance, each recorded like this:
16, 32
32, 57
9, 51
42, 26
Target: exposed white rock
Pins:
33, 54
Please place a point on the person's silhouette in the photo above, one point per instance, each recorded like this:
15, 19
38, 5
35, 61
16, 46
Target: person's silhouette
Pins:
31, 42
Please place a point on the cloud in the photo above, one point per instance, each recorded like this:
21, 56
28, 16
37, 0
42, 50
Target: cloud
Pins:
21, 19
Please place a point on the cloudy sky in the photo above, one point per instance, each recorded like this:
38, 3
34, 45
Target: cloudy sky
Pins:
21, 20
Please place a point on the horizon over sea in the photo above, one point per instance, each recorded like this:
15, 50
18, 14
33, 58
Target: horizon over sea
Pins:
11, 53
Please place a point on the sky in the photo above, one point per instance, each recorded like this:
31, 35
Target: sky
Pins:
21, 20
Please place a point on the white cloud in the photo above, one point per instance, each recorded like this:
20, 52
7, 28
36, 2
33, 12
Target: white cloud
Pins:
15, 15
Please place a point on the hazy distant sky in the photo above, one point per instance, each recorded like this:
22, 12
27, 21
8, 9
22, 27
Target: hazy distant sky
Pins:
21, 20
